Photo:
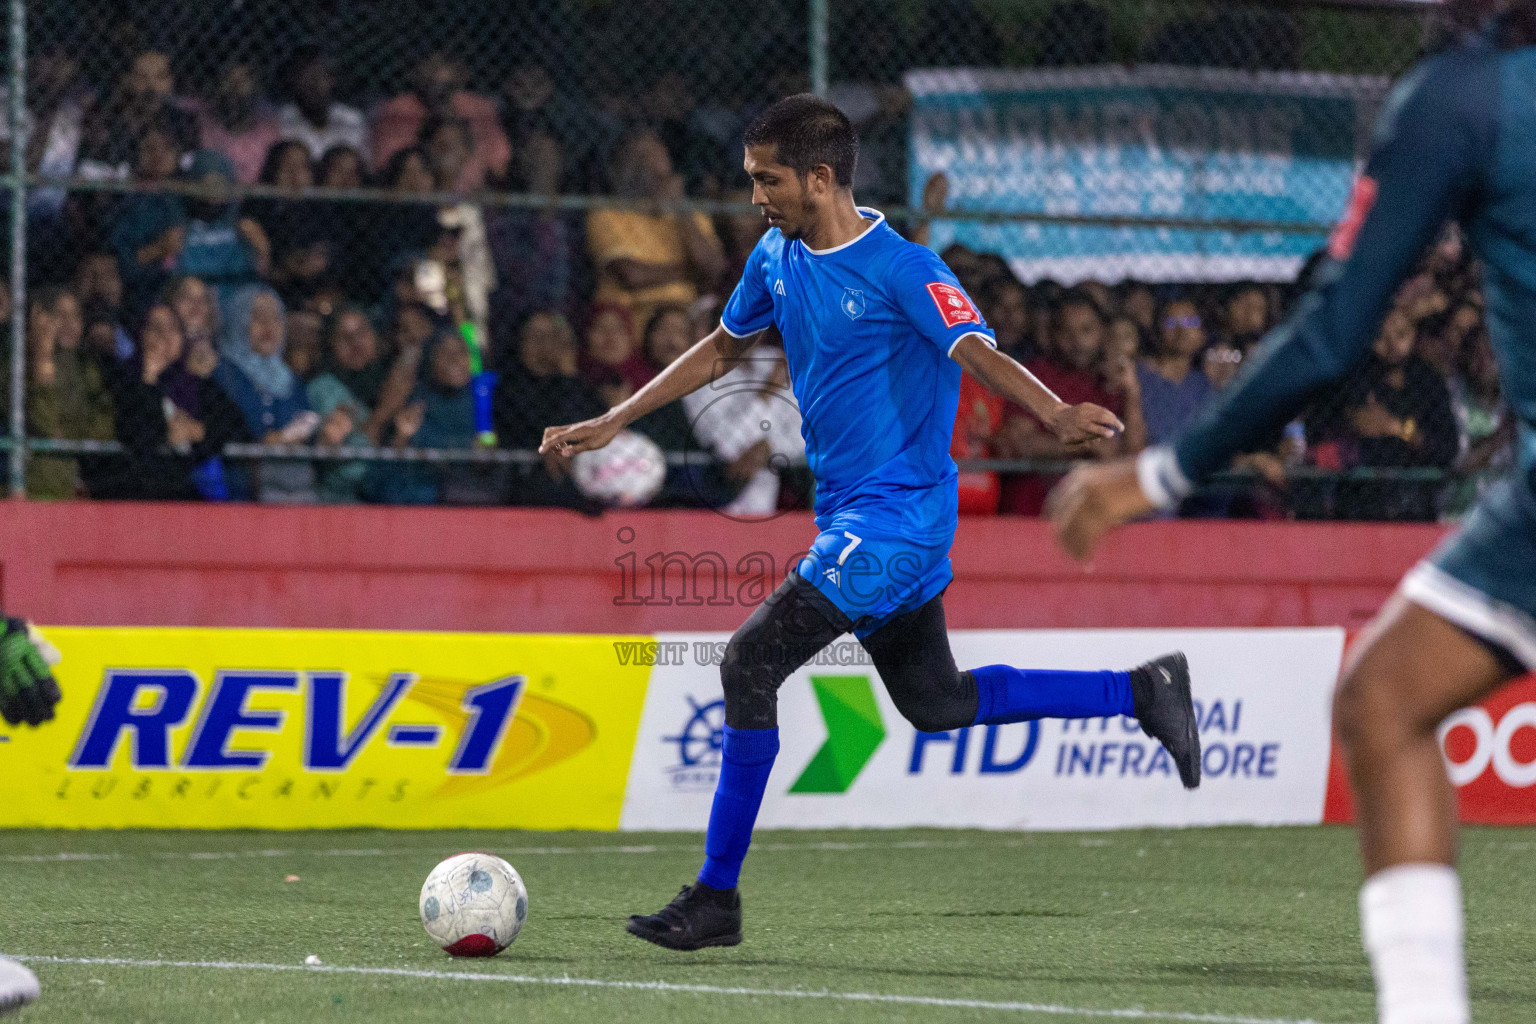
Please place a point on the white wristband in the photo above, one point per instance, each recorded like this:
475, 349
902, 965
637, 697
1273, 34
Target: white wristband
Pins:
1161, 479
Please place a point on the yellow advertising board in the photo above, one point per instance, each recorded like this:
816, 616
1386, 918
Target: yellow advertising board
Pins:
255, 728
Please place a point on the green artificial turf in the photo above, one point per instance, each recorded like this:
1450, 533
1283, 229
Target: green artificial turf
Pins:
1241, 923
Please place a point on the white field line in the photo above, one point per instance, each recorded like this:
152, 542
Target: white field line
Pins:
523, 851
1132, 1013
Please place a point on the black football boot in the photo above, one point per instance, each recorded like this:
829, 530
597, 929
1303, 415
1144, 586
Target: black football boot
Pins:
1166, 711
698, 917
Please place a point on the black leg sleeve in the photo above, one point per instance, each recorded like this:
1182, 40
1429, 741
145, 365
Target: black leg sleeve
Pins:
912, 655
781, 634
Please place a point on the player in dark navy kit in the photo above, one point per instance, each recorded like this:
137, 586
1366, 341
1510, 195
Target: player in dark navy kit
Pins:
1457, 140
876, 331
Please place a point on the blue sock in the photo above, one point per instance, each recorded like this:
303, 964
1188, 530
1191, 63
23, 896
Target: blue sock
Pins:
1006, 694
745, 762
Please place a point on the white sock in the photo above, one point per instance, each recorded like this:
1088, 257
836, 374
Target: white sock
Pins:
1411, 921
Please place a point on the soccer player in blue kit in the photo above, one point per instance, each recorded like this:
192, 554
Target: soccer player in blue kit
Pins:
1456, 141
876, 331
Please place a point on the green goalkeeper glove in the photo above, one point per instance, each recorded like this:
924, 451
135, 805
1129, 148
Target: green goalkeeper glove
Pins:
28, 691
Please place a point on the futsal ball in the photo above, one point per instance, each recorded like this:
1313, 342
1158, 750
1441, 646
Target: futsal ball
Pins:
625, 474
473, 904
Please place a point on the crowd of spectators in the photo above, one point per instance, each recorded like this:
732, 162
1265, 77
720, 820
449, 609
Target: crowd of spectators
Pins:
1414, 433
176, 323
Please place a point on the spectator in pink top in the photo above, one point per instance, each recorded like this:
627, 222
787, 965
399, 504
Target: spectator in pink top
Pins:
437, 92
237, 121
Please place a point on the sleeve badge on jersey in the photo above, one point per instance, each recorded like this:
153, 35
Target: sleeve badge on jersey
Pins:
1362, 199
954, 307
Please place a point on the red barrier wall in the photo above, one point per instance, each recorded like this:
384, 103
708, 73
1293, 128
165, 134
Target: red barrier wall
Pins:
521, 569
535, 570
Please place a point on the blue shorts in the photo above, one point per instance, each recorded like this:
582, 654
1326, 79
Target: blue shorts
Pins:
1483, 578
874, 579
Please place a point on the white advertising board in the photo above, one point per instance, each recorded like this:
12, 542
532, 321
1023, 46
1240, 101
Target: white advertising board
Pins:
848, 759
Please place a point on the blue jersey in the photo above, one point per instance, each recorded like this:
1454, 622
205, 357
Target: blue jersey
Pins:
868, 328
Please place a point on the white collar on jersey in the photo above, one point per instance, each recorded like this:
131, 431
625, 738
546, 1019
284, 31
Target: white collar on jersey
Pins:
868, 213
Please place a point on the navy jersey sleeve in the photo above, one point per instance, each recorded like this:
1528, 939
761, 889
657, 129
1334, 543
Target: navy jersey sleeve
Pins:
750, 308
930, 296
1432, 141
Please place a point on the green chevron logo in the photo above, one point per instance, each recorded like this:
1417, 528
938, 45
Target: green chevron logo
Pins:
854, 732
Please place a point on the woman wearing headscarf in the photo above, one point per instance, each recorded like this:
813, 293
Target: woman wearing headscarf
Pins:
353, 370
538, 386
611, 362
350, 396
254, 374
172, 419
441, 414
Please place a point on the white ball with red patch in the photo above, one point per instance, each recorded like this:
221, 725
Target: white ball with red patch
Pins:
627, 473
474, 904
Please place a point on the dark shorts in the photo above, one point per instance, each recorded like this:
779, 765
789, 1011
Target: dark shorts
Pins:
1483, 577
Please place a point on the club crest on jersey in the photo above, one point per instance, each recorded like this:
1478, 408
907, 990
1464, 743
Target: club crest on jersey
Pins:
954, 307
853, 303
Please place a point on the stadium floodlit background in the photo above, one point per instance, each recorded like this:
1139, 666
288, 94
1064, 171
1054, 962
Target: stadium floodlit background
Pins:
392, 172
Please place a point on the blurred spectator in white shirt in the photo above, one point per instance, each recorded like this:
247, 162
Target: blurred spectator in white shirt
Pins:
313, 116
749, 405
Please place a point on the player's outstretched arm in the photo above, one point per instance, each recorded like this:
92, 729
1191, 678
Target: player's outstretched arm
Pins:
28, 691
691, 371
1072, 424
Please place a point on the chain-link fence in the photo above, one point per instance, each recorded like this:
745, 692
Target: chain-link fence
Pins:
360, 251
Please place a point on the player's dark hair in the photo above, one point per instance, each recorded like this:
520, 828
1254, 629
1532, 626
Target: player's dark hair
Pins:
807, 132
1511, 23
